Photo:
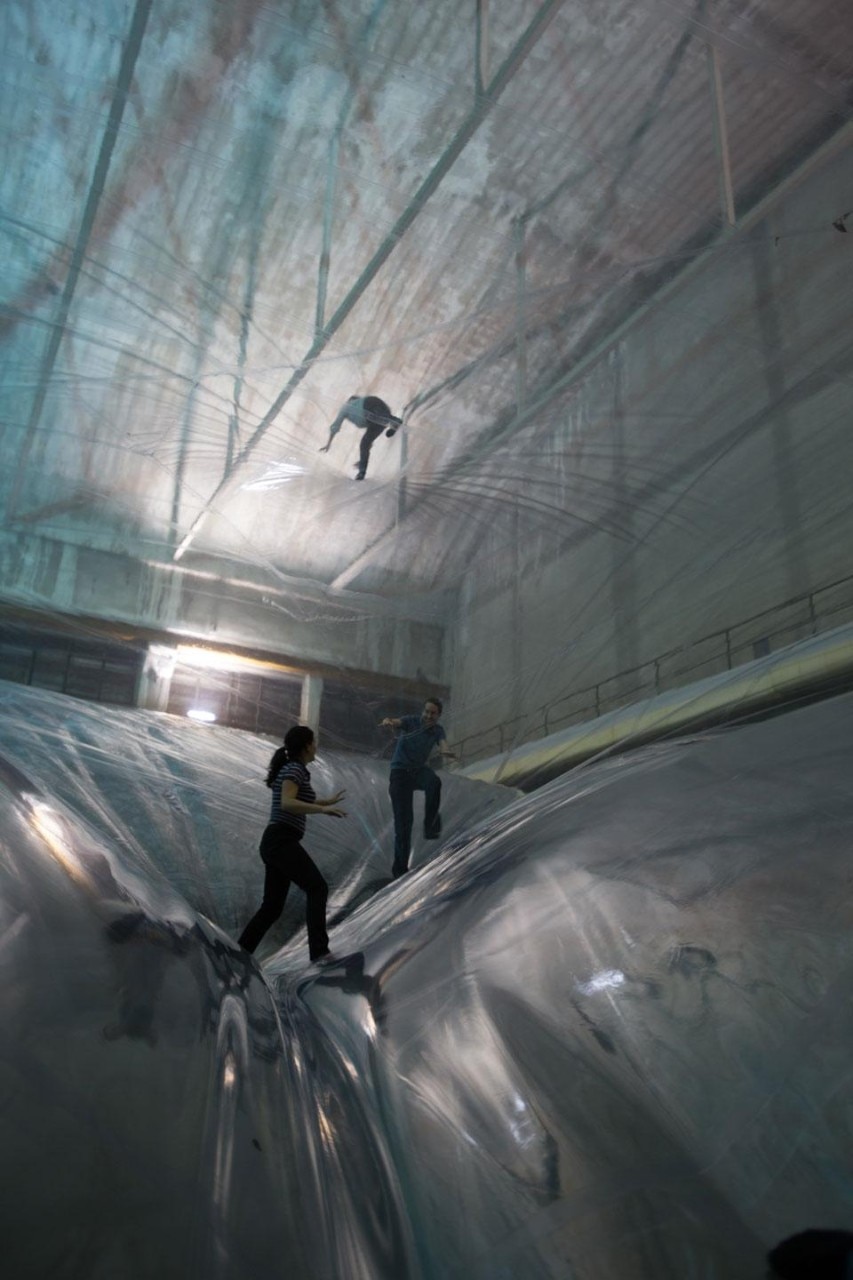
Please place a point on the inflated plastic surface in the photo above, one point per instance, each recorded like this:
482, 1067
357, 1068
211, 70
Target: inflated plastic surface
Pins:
191, 802
606, 1035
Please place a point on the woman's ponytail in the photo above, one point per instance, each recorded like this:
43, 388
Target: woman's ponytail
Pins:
277, 763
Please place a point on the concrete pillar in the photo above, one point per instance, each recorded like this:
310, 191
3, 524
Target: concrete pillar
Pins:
624, 556
156, 679
769, 303
312, 693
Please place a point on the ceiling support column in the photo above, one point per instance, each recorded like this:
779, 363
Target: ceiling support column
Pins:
721, 138
312, 696
155, 681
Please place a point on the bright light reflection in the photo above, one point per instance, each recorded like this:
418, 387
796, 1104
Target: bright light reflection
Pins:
606, 979
190, 655
276, 474
324, 1124
208, 659
368, 1026
51, 828
196, 713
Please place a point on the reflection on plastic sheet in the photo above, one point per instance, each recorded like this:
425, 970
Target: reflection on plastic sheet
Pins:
604, 1032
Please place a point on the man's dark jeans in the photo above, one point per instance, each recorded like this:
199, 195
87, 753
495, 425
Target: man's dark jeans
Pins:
401, 788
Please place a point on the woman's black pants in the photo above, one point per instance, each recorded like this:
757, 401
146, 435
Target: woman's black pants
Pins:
286, 861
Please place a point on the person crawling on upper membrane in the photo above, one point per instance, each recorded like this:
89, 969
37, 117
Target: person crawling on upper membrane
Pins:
373, 416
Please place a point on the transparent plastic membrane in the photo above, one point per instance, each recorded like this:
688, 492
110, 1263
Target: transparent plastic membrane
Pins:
593, 258
603, 1031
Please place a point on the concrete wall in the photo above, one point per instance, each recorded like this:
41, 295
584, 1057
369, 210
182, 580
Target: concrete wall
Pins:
707, 459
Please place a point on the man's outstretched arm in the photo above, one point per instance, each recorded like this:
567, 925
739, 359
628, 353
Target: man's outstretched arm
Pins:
334, 429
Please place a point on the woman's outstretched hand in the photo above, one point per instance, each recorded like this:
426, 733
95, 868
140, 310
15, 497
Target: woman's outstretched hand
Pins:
336, 813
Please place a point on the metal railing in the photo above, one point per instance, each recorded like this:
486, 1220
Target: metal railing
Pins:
722, 650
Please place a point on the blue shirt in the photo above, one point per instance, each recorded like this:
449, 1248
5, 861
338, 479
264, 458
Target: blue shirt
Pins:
365, 411
362, 414
304, 791
416, 743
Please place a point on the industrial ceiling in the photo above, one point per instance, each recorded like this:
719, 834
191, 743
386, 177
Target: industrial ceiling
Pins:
221, 218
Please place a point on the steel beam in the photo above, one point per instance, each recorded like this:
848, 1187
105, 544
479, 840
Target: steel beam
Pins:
326, 249
129, 57
481, 68
519, 231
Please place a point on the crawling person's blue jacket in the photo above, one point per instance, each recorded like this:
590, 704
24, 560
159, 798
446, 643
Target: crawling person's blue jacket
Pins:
416, 743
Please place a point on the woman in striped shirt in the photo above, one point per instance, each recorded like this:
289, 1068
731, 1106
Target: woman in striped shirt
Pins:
283, 856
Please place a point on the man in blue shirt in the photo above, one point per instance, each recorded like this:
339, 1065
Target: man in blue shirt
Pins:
419, 737
373, 416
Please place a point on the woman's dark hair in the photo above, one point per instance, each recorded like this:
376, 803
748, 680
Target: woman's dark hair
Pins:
812, 1255
436, 702
295, 742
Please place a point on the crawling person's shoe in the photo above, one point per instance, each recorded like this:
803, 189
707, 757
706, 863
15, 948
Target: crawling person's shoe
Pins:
433, 832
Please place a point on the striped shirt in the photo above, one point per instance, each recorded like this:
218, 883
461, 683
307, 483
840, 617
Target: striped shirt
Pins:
295, 772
